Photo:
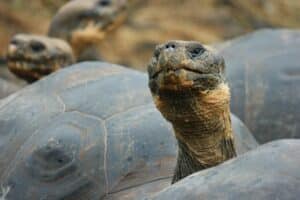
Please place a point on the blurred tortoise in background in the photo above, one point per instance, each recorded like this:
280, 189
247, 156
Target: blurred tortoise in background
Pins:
263, 70
83, 24
269, 172
90, 131
31, 57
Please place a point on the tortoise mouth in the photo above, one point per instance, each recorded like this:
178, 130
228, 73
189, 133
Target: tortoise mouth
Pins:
94, 30
35, 61
34, 69
169, 70
102, 23
26, 71
183, 78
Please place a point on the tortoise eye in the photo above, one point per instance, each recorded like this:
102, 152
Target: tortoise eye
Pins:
37, 46
14, 42
197, 51
104, 2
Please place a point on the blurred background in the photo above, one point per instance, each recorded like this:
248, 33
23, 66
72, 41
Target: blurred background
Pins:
154, 21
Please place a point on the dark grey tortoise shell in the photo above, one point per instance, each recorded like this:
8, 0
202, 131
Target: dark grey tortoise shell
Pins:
263, 69
88, 132
269, 172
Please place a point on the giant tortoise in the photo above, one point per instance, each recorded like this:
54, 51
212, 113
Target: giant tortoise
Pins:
90, 131
188, 86
32, 57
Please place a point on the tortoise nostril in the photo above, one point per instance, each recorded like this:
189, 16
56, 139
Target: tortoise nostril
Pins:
170, 45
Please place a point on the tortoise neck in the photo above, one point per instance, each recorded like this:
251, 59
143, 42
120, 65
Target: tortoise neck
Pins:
203, 130
197, 151
87, 53
189, 163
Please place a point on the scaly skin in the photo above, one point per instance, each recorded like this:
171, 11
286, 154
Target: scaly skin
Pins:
85, 23
32, 57
189, 89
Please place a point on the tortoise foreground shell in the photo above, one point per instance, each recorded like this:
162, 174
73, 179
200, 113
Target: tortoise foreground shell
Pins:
269, 172
89, 131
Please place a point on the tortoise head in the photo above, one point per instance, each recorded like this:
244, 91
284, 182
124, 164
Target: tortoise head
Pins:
85, 22
31, 57
181, 65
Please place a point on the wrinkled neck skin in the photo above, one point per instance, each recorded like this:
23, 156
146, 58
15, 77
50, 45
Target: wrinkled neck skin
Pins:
202, 125
88, 52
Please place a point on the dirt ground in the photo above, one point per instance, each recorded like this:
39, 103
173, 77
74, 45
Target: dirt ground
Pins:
154, 21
